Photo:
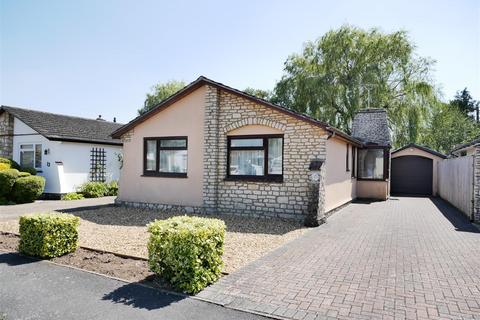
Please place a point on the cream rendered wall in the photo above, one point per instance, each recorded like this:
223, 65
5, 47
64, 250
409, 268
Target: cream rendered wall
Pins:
254, 129
184, 118
340, 187
379, 190
417, 152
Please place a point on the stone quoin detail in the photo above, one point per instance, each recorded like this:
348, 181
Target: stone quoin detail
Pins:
6, 135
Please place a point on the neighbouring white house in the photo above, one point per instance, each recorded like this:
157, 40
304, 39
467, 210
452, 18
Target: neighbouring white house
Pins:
68, 151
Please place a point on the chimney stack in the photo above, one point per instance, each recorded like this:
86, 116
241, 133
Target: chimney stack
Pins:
371, 126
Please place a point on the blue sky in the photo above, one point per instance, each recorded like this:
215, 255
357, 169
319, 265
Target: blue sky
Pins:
100, 57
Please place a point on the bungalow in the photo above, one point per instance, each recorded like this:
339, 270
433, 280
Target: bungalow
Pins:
213, 149
67, 151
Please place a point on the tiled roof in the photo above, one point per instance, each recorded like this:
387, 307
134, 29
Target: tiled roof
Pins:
205, 81
371, 127
466, 145
426, 149
66, 128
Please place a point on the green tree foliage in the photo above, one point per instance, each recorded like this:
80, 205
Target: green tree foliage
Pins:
259, 93
159, 93
449, 127
464, 102
349, 69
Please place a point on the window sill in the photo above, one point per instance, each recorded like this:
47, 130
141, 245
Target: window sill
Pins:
165, 175
254, 179
367, 179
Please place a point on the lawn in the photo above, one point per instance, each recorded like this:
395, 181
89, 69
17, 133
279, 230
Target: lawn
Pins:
123, 230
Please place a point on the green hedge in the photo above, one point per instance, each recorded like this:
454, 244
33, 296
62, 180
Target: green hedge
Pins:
7, 180
93, 189
32, 171
48, 235
13, 164
187, 251
72, 196
27, 189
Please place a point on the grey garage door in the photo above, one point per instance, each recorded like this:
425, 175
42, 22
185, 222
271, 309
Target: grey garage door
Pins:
412, 175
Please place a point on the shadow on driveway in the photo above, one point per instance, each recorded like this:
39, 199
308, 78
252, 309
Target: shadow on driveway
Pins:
15, 259
455, 216
142, 297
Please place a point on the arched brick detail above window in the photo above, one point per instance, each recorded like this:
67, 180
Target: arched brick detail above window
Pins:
255, 121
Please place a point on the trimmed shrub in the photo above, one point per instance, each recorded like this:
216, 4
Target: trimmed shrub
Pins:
27, 189
112, 188
93, 189
24, 174
48, 235
7, 180
73, 196
4, 166
32, 171
13, 164
187, 251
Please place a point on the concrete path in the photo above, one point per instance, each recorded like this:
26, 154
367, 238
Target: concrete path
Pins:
406, 258
12, 212
32, 289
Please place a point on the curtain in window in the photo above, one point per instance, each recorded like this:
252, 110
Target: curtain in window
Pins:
275, 146
370, 164
174, 161
151, 155
247, 162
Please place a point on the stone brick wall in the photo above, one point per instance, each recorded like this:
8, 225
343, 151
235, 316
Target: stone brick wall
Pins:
476, 184
303, 142
6, 135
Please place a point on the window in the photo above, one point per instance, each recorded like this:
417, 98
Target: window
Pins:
371, 164
347, 160
165, 157
354, 153
31, 155
255, 157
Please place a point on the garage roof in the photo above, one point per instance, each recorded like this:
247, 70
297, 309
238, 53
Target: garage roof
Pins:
426, 149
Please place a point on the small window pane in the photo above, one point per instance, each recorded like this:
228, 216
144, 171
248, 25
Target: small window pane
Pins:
38, 156
275, 156
247, 162
370, 163
177, 143
173, 161
26, 159
26, 146
247, 142
151, 155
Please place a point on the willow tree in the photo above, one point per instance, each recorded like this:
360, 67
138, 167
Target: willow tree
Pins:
349, 69
160, 92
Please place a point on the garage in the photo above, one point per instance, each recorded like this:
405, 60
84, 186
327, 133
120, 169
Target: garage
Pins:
412, 175
413, 170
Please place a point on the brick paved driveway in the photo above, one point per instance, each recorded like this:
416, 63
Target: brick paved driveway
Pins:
407, 258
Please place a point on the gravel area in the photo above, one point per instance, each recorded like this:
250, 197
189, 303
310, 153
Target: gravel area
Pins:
123, 230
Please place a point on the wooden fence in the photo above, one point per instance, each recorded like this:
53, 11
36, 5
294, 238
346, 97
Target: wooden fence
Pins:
455, 183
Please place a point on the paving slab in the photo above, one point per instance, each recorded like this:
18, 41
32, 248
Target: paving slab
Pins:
405, 258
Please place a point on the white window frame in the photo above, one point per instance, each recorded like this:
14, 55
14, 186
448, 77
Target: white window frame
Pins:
34, 149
